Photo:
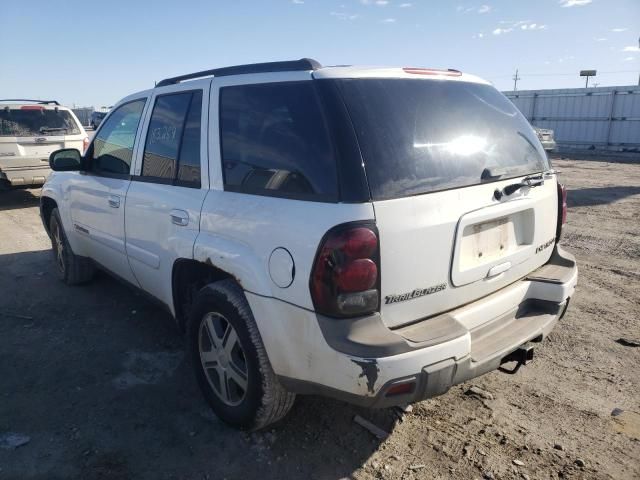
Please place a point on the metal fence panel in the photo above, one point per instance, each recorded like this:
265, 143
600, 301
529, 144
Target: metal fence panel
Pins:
83, 114
602, 118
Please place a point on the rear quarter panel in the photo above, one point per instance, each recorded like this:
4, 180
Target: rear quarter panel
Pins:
240, 231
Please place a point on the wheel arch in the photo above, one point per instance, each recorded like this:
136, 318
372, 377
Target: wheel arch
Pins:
47, 204
187, 277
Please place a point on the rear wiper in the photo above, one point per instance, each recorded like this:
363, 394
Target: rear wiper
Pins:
52, 129
493, 172
531, 181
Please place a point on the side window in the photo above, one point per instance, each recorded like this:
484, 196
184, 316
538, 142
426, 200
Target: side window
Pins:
172, 148
112, 149
275, 142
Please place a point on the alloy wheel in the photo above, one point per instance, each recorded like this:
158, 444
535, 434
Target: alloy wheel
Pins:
58, 246
223, 358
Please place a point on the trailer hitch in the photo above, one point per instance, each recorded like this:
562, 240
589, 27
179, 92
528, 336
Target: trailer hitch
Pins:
522, 356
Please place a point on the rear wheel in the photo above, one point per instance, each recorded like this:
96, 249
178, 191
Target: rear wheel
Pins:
230, 361
71, 268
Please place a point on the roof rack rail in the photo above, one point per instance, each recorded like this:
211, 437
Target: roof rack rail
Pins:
43, 102
285, 66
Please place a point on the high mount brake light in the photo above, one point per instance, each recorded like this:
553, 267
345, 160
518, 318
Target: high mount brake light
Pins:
562, 210
345, 276
31, 107
432, 71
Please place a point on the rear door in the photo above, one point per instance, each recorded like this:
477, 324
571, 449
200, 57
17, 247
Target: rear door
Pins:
435, 152
169, 186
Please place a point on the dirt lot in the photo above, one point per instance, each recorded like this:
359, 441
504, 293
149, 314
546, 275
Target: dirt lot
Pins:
95, 378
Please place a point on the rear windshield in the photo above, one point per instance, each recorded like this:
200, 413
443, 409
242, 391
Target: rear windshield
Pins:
36, 122
420, 136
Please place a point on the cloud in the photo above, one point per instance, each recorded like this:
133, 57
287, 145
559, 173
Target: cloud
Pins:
481, 9
388, 20
343, 15
631, 48
601, 39
628, 59
532, 26
405, 5
574, 3
297, 2
380, 3
510, 26
502, 31
618, 30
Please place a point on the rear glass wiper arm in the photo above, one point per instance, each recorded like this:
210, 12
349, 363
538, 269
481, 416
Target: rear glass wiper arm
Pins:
531, 181
52, 129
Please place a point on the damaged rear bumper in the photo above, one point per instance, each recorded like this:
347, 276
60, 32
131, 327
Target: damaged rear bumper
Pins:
362, 361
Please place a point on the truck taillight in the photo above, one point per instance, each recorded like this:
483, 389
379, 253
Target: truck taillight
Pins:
562, 210
345, 277
85, 145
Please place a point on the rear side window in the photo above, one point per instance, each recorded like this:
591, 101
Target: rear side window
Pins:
420, 136
275, 142
36, 121
172, 148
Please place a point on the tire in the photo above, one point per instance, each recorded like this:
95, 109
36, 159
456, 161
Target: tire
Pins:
71, 269
238, 381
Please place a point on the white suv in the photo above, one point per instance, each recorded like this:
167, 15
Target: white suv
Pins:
29, 131
376, 235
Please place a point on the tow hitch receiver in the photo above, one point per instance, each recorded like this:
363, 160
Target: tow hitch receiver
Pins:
522, 356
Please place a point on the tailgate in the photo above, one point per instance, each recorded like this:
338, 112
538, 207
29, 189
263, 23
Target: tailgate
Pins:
444, 249
28, 151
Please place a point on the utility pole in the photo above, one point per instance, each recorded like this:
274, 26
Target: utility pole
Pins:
515, 81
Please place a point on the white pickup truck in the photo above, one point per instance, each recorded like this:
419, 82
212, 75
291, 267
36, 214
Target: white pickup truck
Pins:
376, 235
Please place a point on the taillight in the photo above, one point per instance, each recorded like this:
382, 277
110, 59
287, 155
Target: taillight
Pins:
345, 278
562, 210
85, 144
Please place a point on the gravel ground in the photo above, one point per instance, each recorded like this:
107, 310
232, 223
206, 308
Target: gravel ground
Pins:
94, 378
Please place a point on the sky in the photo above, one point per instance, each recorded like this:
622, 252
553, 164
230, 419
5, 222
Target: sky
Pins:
87, 53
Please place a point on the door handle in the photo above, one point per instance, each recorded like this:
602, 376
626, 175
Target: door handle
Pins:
114, 201
498, 269
179, 217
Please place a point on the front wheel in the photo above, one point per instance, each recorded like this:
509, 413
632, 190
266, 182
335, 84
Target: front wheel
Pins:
72, 269
230, 361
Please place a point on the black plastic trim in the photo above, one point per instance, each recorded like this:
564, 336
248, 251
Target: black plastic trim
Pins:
353, 186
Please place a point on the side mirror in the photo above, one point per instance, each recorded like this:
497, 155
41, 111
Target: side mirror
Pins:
65, 160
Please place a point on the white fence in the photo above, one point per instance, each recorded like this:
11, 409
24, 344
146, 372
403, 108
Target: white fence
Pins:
603, 118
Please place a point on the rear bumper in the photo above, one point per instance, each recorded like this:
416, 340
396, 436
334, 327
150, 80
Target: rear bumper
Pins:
22, 175
548, 145
360, 360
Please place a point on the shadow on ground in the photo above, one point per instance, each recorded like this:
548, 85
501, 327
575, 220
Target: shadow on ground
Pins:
587, 197
19, 198
96, 376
